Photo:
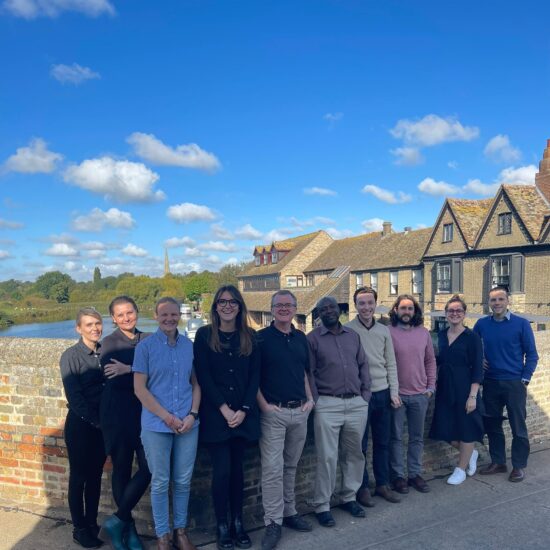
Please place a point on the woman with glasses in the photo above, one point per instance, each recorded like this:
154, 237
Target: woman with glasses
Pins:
457, 418
120, 413
227, 364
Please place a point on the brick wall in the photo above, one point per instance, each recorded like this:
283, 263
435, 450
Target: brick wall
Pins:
33, 464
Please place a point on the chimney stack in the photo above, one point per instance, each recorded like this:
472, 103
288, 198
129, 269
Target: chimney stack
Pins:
542, 179
408, 228
386, 228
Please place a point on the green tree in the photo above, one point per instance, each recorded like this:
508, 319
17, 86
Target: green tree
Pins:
228, 274
97, 277
142, 289
194, 286
53, 285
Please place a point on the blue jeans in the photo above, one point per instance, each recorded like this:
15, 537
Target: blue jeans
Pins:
379, 421
170, 457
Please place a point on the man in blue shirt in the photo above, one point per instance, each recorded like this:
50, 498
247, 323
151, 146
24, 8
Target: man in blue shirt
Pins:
510, 360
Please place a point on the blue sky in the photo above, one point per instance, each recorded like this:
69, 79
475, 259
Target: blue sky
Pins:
211, 126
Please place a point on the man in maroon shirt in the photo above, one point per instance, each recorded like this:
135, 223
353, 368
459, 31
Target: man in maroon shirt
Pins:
340, 384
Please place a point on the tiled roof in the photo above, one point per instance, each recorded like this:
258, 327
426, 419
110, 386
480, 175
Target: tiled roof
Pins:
530, 205
294, 245
374, 251
307, 296
469, 215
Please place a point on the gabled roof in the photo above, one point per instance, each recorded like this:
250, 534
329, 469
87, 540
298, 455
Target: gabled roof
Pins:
293, 247
374, 251
469, 215
530, 206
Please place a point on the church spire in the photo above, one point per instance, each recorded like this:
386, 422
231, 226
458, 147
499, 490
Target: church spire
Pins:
166, 262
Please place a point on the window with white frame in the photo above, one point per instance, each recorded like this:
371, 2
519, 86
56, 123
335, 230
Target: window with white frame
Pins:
447, 232
358, 280
500, 271
274, 257
310, 280
394, 287
443, 280
291, 281
417, 281
266, 258
257, 260
374, 281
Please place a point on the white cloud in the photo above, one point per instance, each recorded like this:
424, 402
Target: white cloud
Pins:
432, 130
248, 232
133, 250
4, 254
174, 242
479, 188
187, 212
499, 149
120, 180
438, 188
72, 74
7, 224
372, 224
221, 232
33, 159
30, 9
323, 221
333, 117
95, 253
407, 156
218, 246
386, 196
61, 249
523, 175
323, 191
452, 164
148, 147
193, 252
280, 234
338, 233
97, 219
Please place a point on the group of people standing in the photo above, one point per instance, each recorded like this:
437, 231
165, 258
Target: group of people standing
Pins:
156, 396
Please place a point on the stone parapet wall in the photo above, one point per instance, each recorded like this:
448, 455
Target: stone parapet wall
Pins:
34, 467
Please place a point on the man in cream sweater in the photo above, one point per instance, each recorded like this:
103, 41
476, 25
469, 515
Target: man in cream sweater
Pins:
378, 346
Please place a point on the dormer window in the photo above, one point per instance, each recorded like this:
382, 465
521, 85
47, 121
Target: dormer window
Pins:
505, 223
447, 232
266, 258
274, 257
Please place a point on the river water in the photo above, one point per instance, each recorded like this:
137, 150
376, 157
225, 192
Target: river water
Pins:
66, 329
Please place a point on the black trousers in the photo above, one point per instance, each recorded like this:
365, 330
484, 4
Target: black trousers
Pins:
227, 477
511, 394
128, 489
86, 458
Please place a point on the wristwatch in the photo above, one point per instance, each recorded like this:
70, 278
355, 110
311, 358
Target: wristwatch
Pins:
525, 382
194, 414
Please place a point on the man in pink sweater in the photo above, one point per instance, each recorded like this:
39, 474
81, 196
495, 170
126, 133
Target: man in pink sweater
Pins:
416, 372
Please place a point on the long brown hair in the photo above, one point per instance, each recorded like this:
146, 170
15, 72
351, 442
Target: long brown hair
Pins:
417, 318
241, 321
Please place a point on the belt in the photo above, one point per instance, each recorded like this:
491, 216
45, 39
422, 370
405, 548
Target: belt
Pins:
289, 404
341, 395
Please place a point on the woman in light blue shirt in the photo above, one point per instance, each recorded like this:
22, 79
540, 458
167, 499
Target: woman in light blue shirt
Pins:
165, 384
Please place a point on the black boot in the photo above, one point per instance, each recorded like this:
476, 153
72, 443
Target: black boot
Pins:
239, 535
223, 538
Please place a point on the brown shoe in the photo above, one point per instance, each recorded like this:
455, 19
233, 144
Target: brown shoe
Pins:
516, 475
386, 493
400, 485
181, 540
493, 469
163, 543
419, 484
364, 497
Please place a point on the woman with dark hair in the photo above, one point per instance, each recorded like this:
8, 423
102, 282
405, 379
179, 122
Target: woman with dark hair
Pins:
120, 414
227, 363
83, 383
457, 418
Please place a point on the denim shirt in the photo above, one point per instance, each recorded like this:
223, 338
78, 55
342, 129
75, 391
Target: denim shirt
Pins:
168, 370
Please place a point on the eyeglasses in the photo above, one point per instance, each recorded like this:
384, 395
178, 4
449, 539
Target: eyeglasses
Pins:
455, 311
283, 306
223, 302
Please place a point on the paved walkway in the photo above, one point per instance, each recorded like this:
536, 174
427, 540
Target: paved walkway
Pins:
483, 512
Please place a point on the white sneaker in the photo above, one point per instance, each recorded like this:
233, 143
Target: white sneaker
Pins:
472, 465
457, 477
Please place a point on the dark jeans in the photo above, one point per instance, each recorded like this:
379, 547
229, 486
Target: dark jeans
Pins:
227, 477
379, 421
86, 458
128, 490
511, 394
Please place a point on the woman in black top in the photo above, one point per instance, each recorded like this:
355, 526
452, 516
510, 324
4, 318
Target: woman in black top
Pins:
121, 423
83, 382
227, 365
457, 418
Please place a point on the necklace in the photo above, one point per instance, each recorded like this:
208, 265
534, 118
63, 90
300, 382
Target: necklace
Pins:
227, 336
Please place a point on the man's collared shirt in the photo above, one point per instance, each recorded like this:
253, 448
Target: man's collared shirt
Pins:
338, 364
285, 360
168, 369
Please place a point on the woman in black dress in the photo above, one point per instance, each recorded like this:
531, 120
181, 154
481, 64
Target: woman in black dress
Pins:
457, 418
83, 383
227, 364
120, 414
